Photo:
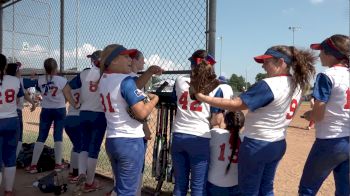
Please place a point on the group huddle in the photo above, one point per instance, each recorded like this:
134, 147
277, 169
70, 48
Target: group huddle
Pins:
216, 148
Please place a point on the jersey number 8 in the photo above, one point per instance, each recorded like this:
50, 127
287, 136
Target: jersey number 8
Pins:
9, 96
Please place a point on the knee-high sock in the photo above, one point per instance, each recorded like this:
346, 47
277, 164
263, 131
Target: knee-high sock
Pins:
83, 159
38, 149
9, 175
58, 153
19, 147
91, 170
73, 161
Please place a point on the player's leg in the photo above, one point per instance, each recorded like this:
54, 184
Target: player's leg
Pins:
20, 132
250, 166
128, 165
324, 156
46, 119
86, 138
59, 116
9, 153
73, 131
274, 153
199, 154
341, 172
97, 134
181, 164
139, 189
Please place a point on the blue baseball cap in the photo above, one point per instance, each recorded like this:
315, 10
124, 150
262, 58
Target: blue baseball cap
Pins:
223, 80
270, 53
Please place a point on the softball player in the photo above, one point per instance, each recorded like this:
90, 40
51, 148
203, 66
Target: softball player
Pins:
118, 91
191, 135
10, 90
73, 130
54, 91
92, 125
12, 69
224, 145
271, 104
331, 113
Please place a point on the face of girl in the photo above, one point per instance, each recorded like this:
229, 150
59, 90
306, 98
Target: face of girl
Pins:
327, 60
138, 64
270, 67
121, 64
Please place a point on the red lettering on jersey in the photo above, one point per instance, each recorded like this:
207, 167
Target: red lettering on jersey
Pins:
54, 90
194, 106
76, 98
109, 102
293, 106
9, 96
347, 105
222, 152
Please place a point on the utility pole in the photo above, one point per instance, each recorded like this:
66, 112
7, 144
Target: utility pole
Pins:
220, 38
293, 29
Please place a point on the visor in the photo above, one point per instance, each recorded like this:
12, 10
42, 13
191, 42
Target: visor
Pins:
270, 53
209, 59
120, 50
329, 48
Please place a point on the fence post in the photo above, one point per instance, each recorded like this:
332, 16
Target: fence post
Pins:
62, 37
1, 30
211, 27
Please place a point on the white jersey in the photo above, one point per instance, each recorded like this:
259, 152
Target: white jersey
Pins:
192, 116
52, 91
269, 123
116, 97
220, 154
71, 110
336, 120
20, 102
90, 98
8, 96
225, 89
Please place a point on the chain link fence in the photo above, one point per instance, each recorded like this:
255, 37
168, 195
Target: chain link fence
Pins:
166, 31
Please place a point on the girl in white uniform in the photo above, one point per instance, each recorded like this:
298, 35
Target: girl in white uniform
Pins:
271, 104
54, 91
124, 143
10, 90
331, 113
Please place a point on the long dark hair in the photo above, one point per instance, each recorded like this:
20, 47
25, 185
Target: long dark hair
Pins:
11, 69
3, 62
50, 66
234, 122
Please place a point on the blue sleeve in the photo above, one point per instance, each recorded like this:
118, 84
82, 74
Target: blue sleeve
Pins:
27, 83
130, 92
20, 92
218, 93
75, 83
322, 88
257, 96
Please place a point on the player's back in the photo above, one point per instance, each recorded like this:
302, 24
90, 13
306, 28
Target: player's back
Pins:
220, 154
192, 116
8, 96
51, 89
90, 97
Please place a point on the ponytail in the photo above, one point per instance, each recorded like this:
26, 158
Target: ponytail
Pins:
234, 122
3, 62
50, 66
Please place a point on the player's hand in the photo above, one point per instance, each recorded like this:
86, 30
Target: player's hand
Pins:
307, 115
154, 69
152, 96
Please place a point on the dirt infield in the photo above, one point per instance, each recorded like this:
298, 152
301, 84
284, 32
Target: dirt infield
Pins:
299, 142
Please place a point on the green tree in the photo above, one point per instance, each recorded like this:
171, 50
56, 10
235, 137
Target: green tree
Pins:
237, 83
260, 76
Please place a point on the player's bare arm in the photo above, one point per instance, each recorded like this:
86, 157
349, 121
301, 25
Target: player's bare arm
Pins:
31, 101
144, 78
317, 112
226, 104
68, 95
141, 109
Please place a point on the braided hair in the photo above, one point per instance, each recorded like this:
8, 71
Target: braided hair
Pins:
234, 122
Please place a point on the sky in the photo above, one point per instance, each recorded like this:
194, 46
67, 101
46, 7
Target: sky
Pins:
171, 31
249, 30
